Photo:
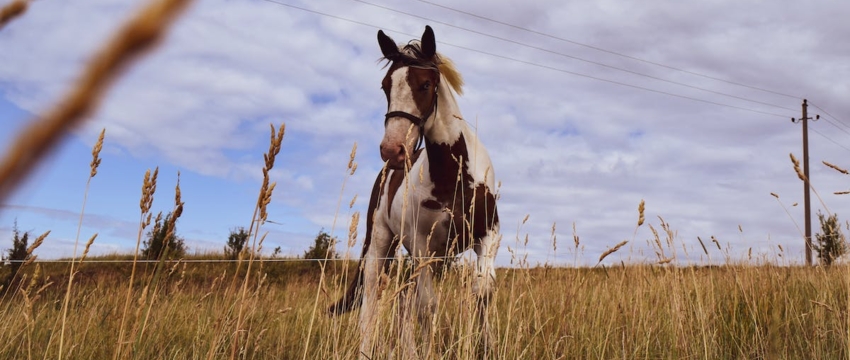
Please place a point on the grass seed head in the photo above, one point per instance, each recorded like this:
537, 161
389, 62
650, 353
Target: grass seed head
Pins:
703, 245
12, 10
88, 246
38, 241
95, 153
142, 32
641, 208
352, 229
836, 168
797, 167
612, 250
352, 166
575, 235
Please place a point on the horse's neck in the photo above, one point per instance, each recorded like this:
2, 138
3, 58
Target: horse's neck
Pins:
448, 125
450, 145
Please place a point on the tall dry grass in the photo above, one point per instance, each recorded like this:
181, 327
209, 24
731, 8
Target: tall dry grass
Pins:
12, 10
139, 34
632, 311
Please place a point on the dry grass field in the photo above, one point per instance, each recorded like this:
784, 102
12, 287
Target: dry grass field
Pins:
634, 312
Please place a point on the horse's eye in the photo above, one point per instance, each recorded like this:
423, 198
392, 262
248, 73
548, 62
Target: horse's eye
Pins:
425, 86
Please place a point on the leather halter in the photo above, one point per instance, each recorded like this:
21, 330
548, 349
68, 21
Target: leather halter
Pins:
418, 121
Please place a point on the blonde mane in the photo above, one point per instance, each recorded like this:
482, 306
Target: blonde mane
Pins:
449, 71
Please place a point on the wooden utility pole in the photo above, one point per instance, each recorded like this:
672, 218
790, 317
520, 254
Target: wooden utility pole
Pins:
807, 204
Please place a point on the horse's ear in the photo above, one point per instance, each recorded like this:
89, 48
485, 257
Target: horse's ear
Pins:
429, 44
388, 46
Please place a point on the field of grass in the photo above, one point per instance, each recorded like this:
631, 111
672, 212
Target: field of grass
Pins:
632, 312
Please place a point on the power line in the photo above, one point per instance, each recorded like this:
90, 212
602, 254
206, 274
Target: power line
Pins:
538, 65
577, 58
836, 126
830, 115
833, 141
609, 51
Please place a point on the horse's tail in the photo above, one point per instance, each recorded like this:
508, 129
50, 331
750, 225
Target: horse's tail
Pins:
353, 296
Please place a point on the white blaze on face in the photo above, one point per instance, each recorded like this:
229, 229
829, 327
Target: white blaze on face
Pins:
399, 129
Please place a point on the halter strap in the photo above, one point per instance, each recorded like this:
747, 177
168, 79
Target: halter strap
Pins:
418, 121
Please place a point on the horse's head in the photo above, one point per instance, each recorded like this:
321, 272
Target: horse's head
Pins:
411, 89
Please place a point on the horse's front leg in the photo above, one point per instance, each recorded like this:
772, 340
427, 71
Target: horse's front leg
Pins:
374, 264
484, 282
418, 301
426, 305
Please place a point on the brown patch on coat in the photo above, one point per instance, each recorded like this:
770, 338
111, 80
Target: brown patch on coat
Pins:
423, 84
432, 204
445, 162
395, 181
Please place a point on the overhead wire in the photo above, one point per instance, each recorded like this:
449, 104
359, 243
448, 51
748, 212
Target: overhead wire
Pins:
536, 64
609, 66
575, 57
830, 139
608, 51
830, 115
573, 72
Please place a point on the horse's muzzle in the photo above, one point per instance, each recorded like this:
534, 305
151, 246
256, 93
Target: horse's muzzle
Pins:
394, 155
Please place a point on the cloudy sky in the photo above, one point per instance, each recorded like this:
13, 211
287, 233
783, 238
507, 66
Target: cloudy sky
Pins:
586, 108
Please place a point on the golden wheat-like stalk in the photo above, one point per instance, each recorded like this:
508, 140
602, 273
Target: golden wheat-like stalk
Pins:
139, 34
95, 162
714, 240
352, 229
641, 208
145, 203
703, 245
12, 10
38, 241
612, 250
575, 236
797, 167
257, 219
88, 246
836, 168
352, 165
95, 152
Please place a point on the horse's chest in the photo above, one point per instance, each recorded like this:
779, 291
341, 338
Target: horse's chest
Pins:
412, 209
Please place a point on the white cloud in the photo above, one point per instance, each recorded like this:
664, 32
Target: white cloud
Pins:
567, 148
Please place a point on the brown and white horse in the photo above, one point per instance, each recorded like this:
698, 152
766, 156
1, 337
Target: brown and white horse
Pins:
438, 201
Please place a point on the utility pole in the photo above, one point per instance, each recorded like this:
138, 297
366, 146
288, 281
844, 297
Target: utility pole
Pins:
807, 204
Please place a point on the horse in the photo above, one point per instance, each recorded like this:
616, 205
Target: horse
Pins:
437, 200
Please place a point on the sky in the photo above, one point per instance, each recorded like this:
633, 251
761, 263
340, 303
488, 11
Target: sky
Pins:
586, 108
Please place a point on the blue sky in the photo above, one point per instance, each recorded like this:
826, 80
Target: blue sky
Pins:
568, 148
